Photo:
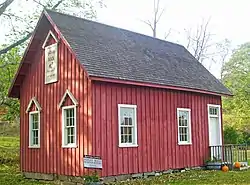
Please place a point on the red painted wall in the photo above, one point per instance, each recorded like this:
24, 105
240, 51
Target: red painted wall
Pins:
51, 157
157, 128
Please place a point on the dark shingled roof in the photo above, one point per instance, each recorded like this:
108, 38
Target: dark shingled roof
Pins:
115, 53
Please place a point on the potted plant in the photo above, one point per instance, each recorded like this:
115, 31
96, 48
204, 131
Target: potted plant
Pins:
213, 164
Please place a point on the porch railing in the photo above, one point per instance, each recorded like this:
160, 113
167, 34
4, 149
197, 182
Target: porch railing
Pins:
229, 154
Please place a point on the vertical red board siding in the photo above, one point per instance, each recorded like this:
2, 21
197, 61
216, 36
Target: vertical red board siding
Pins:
51, 157
157, 128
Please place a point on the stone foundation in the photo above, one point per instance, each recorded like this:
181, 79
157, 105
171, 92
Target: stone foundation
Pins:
71, 180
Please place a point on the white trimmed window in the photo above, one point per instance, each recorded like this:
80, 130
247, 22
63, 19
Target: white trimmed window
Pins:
127, 125
34, 123
184, 126
69, 126
34, 132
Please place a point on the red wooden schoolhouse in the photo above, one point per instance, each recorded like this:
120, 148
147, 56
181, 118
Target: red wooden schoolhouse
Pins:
97, 96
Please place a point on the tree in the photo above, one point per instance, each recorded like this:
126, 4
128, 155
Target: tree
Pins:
7, 74
236, 76
200, 42
157, 13
231, 135
15, 17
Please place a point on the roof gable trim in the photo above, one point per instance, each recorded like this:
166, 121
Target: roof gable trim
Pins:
71, 96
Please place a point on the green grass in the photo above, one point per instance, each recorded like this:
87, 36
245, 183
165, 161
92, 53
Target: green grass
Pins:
9, 163
10, 174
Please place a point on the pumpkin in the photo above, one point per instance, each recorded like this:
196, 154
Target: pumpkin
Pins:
237, 165
225, 168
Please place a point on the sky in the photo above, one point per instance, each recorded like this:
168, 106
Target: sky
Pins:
228, 19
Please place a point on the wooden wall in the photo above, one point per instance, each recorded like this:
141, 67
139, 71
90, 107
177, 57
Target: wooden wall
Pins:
51, 157
157, 128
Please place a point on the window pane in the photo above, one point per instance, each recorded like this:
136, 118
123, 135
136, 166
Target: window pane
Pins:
129, 130
185, 122
126, 120
67, 113
35, 117
213, 111
34, 137
36, 141
130, 122
127, 116
130, 138
34, 121
68, 141
183, 131
122, 139
122, 130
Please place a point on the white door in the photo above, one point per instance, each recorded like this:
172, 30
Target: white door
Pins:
215, 136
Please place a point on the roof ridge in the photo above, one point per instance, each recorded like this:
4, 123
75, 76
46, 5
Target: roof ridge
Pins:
107, 25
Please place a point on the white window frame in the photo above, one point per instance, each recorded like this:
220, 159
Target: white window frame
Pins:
71, 145
189, 142
134, 137
31, 145
219, 117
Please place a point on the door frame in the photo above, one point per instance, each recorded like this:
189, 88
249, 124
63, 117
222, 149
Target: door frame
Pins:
220, 129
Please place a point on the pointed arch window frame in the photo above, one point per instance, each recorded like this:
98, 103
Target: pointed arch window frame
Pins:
50, 33
71, 96
38, 106
65, 126
33, 130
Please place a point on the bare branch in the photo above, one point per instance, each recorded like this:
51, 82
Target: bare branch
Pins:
148, 23
17, 43
38, 2
168, 33
5, 5
57, 4
157, 14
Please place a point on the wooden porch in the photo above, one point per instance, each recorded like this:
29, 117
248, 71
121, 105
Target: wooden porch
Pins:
229, 154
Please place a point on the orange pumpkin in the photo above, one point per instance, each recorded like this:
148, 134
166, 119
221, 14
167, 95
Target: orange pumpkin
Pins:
237, 165
225, 168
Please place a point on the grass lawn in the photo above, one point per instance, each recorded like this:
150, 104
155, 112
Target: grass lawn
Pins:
9, 172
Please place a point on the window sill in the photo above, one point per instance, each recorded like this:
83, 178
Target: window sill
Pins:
35, 146
184, 143
128, 145
69, 146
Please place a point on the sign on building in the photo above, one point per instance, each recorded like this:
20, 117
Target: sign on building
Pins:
92, 162
51, 63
